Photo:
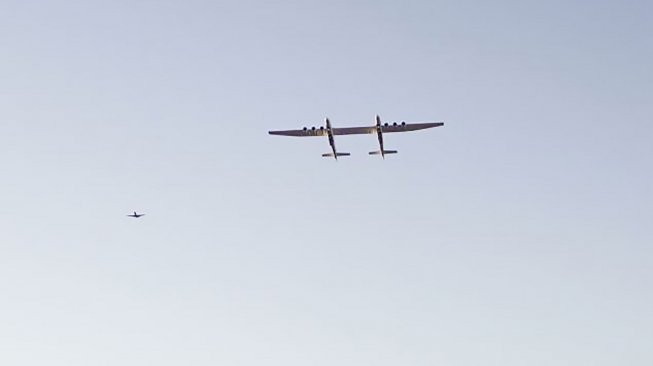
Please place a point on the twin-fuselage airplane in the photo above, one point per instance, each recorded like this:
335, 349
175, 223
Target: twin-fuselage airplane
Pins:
379, 129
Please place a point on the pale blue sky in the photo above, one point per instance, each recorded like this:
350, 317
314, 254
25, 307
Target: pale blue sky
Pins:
517, 234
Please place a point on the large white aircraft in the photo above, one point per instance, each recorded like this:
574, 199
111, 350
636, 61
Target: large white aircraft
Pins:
380, 128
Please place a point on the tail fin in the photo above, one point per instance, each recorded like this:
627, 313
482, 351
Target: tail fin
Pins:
330, 155
385, 152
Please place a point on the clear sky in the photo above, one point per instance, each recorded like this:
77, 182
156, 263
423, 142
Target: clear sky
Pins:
517, 234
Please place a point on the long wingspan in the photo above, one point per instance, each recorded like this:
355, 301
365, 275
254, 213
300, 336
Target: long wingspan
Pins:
394, 127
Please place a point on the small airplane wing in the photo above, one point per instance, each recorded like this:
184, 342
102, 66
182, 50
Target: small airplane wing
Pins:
404, 127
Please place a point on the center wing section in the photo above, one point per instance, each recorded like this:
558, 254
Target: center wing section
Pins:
354, 130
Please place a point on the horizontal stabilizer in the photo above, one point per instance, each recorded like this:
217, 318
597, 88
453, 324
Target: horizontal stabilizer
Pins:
330, 155
378, 152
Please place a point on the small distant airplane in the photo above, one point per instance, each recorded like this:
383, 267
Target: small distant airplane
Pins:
379, 129
136, 215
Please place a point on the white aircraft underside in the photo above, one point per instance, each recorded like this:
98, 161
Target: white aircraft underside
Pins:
379, 129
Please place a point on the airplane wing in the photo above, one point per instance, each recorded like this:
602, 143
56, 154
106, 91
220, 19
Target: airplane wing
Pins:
354, 130
323, 131
404, 127
301, 133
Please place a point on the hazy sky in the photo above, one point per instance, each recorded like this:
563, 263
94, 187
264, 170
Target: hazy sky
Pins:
517, 234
